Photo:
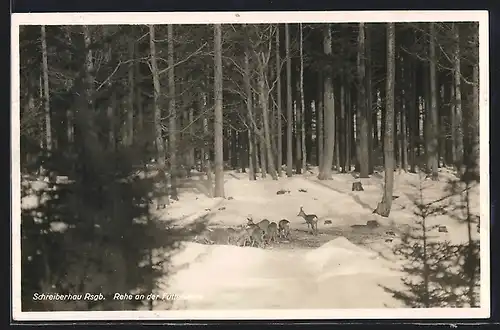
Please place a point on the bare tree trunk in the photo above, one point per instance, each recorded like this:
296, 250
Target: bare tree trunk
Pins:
326, 167
263, 94
432, 145
343, 130
363, 152
218, 124
289, 105
475, 138
297, 125
320, 110
69, 111
369, 97
348, 128
279, 110
404, 113
252, 147
172, 121
206, 160
191, 151
384, 207
46, 97
458, 129
252, 170
413, 109
302, 102
160, 146
263, 159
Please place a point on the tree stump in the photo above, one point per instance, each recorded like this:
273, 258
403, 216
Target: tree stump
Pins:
372, 223
357, 186
443, 229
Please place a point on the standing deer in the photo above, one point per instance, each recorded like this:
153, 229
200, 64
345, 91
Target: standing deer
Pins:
311, 220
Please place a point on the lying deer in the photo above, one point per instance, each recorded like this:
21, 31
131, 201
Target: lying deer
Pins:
311, 220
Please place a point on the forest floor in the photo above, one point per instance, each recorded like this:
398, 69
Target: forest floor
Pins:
347, 265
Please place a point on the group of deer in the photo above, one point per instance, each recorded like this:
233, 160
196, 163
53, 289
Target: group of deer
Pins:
263, 233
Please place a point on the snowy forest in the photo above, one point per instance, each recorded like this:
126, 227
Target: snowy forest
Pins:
249, 166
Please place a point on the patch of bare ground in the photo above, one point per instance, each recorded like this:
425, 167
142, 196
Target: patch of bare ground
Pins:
304, 239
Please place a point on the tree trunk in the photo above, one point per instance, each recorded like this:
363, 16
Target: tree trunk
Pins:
160, 146
342, 125
263, 94
263, 159
458, 129
384, 207
326, 167
475, 132
172, 121
207, 161
297, 135
279, 110
302, 102
432, 145
369, 97
320, 125
69, 111
348, 128
289, 105
363, 152
403, 117
413, 110
46, 97
252, 150
218, 124
191, 150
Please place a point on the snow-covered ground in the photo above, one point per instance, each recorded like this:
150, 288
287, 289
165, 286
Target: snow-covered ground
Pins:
334, 272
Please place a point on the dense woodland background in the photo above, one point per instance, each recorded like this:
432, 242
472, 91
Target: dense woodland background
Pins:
98, 103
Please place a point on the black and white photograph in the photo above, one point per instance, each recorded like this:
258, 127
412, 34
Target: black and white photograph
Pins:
250, 165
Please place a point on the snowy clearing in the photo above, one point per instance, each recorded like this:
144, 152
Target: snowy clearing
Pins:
342, 267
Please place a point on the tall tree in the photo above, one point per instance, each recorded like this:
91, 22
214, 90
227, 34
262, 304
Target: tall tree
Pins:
363, 152
457, 75
278, 100
160, 146
369, 97
432, 140
329, 106
218, 123
320, 114
302, 101
289, 104
384, 207
46, 94
264, 102
172, 109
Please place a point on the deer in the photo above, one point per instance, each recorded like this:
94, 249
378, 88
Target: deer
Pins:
311, 220
272, 232
262, 224
284, 228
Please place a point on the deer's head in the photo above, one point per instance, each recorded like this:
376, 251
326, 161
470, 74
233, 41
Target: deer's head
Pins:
301, 212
